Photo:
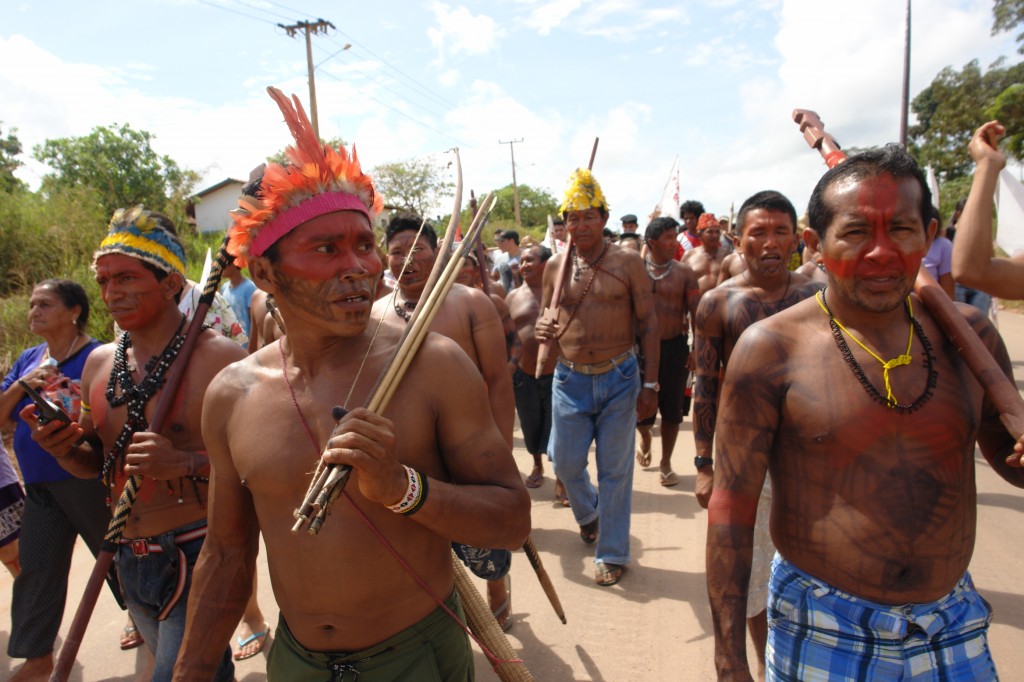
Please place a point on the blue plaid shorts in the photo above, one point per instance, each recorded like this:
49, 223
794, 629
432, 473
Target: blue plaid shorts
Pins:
816, 632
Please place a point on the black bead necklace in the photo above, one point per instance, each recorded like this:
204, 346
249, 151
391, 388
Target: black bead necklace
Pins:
136, 396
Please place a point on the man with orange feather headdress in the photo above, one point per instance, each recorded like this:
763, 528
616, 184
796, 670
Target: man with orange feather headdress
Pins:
372, 594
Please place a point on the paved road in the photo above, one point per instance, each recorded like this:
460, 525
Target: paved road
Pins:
656, 623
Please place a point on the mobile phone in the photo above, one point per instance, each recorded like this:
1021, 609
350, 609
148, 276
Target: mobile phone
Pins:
46, 411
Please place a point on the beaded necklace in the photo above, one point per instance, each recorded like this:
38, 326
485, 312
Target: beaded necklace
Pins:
595, 267
403, 309
889, 400
578, 269
651, 266
136, 396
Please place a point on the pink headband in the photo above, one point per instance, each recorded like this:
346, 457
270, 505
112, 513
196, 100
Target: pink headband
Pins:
305, 211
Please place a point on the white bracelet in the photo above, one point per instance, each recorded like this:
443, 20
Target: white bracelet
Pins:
415, 493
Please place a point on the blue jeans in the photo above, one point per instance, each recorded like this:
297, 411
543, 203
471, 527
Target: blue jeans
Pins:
978, 299
149, 584
598, 408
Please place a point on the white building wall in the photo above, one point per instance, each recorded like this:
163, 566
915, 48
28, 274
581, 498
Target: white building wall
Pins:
212, 210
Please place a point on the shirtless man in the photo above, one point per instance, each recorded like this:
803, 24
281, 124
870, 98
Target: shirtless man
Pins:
706, 259
606, 303
347, 604
469, 318
873, 505
732, 265
140, 272
533, 395
767, 224
674, 286
470, 276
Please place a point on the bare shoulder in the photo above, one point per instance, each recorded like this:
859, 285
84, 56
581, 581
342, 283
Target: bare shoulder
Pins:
787, 330
213, 352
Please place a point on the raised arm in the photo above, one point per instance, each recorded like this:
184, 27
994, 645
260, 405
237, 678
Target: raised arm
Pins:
222, 578
708, 333
974, 263
746, 432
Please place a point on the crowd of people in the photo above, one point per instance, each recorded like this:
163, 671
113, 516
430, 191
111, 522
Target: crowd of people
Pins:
840, 500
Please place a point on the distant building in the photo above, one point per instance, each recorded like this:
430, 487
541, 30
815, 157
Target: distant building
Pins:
208, 208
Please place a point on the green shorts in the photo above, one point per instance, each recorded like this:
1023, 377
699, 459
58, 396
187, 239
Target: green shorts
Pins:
435, 649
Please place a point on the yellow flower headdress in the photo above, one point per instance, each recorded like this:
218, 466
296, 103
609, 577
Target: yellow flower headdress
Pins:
317, 180
582, 193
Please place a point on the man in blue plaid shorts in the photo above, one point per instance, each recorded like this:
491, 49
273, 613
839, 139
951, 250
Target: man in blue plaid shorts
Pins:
867, 419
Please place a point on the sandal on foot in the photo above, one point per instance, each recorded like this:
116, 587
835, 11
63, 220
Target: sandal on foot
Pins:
643, 457
670, 479
131, 638
535, 478
503, 614
607, 575
588, 533
560, 495
259, 638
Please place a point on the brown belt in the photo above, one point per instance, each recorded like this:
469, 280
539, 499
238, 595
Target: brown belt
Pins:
597, 367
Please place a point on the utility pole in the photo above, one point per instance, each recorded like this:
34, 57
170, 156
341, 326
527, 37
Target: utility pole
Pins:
515, 188
905, 104
309, 28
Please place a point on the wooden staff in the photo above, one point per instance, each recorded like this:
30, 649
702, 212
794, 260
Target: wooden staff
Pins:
68, 652
545, 348
998, 388
545, 580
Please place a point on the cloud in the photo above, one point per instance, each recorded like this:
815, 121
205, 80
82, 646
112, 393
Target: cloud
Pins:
458, 31
550, 15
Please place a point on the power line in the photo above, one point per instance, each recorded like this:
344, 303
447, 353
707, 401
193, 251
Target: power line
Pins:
402, 113
398, 93
235, 11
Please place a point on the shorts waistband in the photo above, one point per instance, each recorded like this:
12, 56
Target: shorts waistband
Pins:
144, 546
597, 367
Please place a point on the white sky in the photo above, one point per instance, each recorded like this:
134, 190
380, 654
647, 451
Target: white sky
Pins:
711, 81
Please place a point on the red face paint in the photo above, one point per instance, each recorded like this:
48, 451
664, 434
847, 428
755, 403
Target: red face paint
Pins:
130, 290
328, 266
877, 238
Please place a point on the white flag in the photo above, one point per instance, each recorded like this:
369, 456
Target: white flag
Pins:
1010, 204
669, 204
933, 185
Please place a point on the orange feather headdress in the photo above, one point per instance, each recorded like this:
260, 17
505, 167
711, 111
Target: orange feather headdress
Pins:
317, 180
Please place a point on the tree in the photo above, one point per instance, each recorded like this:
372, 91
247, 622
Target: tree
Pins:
279, 157
1008, 15
534, 205
950, 110
121, 165
10, 148
415, 184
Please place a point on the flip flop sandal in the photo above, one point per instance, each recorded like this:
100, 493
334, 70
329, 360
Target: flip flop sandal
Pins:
588, 533
506, 607
643, 457
131, 638
670, 479
259, 637
607, 575
534, 480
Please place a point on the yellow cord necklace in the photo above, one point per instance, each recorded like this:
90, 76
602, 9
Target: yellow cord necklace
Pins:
889, 399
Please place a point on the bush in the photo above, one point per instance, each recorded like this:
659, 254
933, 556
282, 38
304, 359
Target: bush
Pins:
55, 236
